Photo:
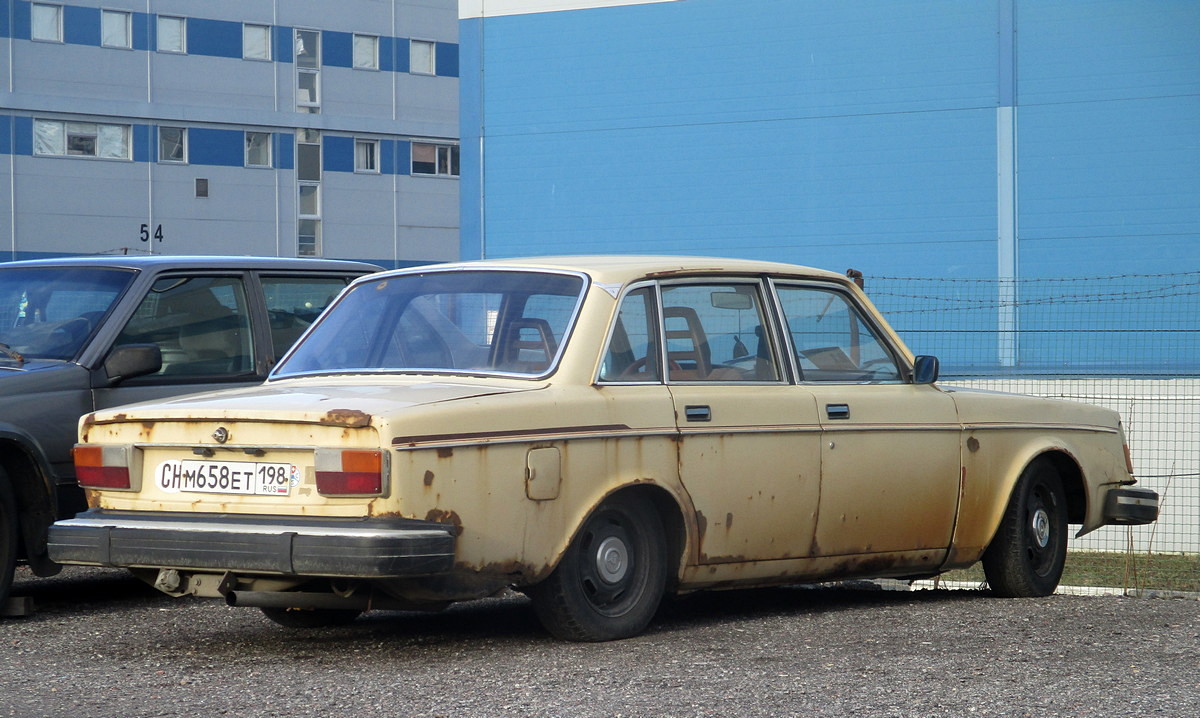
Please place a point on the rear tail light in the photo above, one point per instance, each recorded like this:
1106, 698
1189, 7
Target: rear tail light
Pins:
351, 472
102, 467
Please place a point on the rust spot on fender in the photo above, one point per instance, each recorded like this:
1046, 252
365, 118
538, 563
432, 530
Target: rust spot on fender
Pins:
972, 444
441, 516
349, 418
445, 452
428, 478
728, 521
701, 525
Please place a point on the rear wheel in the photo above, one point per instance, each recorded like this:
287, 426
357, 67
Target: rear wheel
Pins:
612, 578
8, 538
311, 617
1027, 556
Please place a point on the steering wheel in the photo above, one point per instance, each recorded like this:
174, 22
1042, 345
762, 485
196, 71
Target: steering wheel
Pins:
637, 365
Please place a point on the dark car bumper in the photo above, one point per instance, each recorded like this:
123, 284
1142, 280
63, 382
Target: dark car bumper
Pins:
358, 548
1130, 505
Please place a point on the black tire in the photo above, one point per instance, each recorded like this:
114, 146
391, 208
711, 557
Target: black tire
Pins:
8, 538
612, 578
311, 617
1026, 557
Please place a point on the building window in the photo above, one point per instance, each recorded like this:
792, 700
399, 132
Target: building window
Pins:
45, 22
309, 201
114, 29
437, 160
366, 52
172, 144
422, 58
258, 149
256, 42
308, 240
81, 139
308, 156
366, 156
308, 71
172, 34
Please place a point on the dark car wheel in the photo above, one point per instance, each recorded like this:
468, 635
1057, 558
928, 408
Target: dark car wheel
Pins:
311, 617
611, 579
1027, 555
8, 537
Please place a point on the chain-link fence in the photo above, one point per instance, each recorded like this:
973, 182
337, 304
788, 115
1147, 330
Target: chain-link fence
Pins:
1130, 343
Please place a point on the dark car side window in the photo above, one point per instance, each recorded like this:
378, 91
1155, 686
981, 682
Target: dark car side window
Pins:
200, 324
293, 303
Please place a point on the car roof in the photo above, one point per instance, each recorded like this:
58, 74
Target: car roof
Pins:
626, 267
163, 261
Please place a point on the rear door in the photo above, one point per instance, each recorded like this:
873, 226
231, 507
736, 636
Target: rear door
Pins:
749, 448
218, 330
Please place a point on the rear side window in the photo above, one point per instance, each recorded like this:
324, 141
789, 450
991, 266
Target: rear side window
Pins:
293, 303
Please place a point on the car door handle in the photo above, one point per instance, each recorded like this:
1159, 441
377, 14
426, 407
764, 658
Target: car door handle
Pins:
697, 413
837, 411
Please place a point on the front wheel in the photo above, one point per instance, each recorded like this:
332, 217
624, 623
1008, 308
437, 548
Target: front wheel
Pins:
8, 538
611, 579
1027, 555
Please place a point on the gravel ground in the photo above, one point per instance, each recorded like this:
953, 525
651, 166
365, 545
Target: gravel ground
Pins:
103, 644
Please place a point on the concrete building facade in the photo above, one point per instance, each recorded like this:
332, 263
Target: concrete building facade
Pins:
266, 127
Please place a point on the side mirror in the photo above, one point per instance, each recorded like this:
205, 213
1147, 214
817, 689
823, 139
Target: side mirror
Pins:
132, 360
925, 370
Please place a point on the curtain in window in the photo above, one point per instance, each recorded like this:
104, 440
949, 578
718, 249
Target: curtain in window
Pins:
258, 149
45, 22
366, 54
114, 29
170, 34
364, 155
421, 57
424, 159
113, 142
48, 138
255, 39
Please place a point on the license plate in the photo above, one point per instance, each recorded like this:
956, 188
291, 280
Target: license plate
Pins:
255, 478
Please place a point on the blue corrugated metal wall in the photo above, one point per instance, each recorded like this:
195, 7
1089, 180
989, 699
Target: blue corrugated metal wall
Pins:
834, 133
869, 135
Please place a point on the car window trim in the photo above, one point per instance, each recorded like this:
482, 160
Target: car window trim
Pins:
867, 318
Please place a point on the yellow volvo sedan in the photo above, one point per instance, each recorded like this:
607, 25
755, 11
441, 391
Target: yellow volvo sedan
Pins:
597, 432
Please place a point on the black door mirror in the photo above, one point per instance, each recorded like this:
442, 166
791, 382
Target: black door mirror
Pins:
925, 370
130, 360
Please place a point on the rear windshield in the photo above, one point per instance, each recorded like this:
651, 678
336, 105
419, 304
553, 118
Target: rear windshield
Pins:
472, 322
49, 312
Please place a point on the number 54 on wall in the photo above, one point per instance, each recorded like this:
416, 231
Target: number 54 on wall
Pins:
144, 235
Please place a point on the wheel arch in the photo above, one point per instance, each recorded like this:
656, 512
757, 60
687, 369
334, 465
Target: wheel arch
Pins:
32, 486
985, 502
1071, 475
665, 504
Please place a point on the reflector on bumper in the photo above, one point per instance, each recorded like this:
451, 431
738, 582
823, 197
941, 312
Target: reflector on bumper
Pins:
1130, 505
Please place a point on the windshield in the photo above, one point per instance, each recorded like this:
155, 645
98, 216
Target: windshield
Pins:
474, 322
49, 313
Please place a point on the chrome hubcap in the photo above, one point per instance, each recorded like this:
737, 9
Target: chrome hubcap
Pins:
1041, 527
612, 559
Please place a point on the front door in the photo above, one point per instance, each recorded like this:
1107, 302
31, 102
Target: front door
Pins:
890, 465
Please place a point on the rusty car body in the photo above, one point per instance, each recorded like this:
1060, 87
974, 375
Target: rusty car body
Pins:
597, 432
